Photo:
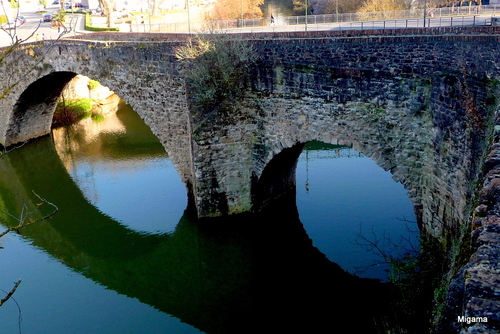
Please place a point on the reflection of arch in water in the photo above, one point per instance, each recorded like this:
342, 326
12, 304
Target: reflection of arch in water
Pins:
123, 170
37, 166
222, 276
344, 197
322, 220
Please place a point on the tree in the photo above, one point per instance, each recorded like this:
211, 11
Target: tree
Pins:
383, 9
331, 6
299, 7
383, 5
157, 4
27, 216
15, 43
234, 9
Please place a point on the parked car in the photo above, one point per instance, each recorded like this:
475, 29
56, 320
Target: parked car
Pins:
74, 6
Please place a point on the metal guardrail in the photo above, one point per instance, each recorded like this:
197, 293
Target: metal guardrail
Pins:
435, 17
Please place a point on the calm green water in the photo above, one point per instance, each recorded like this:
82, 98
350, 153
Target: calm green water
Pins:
124, 253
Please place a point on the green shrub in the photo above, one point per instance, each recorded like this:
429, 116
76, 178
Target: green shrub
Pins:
89, 27
80, 107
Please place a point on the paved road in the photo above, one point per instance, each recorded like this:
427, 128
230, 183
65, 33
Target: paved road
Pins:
34, 27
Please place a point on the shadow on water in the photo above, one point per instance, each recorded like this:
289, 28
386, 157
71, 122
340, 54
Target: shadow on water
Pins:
232, 275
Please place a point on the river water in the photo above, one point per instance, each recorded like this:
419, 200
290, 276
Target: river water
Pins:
124, 253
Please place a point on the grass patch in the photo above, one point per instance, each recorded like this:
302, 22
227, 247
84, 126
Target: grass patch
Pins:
93, 84
97, 118
90, 27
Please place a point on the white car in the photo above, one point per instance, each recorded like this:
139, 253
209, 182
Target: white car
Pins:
12, 24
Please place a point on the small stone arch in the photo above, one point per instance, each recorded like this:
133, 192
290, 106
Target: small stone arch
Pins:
32, 114
277, 178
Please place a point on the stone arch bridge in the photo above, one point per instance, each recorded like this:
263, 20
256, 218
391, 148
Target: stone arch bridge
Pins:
422, 105
418, 105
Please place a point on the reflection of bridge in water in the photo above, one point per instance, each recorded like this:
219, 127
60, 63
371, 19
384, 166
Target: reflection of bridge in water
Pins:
232, 276
315, 150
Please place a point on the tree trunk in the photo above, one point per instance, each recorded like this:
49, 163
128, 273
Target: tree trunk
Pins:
107, 9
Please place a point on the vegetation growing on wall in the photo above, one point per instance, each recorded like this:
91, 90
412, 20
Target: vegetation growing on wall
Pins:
72, 110
93, 84
216, 70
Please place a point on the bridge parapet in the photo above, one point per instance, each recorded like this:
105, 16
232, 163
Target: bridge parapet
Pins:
169, 37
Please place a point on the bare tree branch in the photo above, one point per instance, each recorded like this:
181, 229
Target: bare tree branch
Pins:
10, 293
26, 213
386, 246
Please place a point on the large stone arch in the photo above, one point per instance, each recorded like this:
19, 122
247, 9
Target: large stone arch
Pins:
146, 77
431, 157
374, 135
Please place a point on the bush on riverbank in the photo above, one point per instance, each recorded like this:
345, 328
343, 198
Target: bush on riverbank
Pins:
72, 111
